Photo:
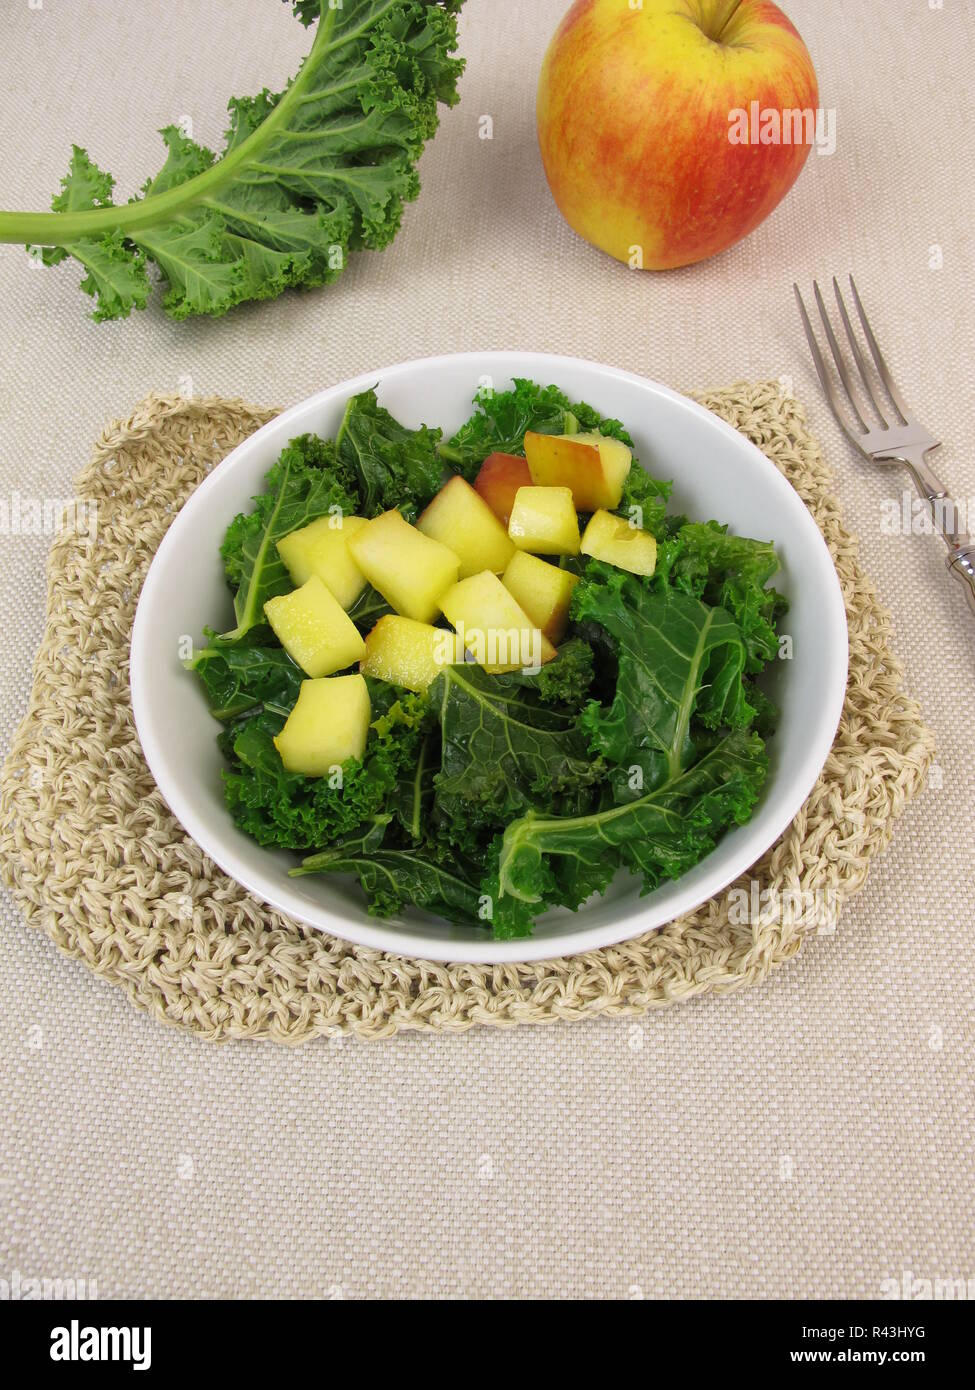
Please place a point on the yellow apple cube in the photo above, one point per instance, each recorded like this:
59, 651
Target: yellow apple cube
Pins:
544, 520
493, 627
594, 466
405, 652
328, 725
542, 590
409, 569
314, 629
614, 540
461, 519
322, 548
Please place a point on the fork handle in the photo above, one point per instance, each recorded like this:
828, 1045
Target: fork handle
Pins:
963, 568
961, 550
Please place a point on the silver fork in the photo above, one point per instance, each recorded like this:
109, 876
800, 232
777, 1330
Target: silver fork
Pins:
899, 437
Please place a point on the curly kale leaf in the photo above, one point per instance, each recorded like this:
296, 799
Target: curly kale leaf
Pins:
285, 809
412, 802
240, 678
308, 481
393, 466
307, 175
678, 661
683, 765
503, 751
658, 836
702, 559
502, 417
396, 878
567, 680
644, 501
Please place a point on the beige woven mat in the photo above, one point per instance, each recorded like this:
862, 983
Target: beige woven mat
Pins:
96, 860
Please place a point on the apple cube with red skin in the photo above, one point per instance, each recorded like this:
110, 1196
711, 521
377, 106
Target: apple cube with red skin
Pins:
328, 725
614, 540
500, 477
542, 590
461, 519
407, 653
544, 520
314, 629
594, 466
493, 627
409, 569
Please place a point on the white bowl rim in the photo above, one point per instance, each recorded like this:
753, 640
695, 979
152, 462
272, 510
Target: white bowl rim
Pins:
406, 941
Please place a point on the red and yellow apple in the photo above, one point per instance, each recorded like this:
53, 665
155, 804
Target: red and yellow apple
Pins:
636, 121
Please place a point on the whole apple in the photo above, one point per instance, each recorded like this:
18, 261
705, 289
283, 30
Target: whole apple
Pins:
669, 129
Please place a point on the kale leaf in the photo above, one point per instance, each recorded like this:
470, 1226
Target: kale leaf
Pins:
283, 808
644, 501
502, 417
393, 466
307, 175
504, 751
307, 482
567, 680
659, 836
702, 559
683, 763
239, 678
676, 658
396, 878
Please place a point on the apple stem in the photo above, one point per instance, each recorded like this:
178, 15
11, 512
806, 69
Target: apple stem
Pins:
725, 12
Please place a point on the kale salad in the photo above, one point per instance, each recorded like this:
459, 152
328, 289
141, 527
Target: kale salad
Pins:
483, 674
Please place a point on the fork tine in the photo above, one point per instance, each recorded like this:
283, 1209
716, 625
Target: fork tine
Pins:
878, 358
825, 379
838, 357
857, 354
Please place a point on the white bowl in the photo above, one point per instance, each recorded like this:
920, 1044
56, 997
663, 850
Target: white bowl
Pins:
717, 474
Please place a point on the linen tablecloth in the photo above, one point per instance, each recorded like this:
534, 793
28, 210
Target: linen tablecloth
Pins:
811, 1137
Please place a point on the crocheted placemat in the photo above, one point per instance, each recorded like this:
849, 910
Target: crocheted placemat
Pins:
96, 860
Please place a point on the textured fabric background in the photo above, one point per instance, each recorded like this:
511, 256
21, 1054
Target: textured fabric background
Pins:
811, 1137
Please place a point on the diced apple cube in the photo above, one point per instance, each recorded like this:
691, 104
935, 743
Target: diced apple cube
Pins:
542, 590
594, 466
544, 520
409, 569
314, 629
405, 652
322, 548
499, 478
461, 520
493, 627
328, 725
614, 540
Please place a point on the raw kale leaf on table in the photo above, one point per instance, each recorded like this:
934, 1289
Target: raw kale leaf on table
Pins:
307, 175
495, 797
